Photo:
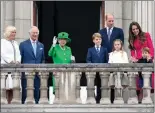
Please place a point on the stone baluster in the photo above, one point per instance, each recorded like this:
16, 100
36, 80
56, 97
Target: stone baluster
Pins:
3, 89
30, 88
132, 88
90, 87
16, 88
105, 89
57, 93
118, 88
125, 84
146, 88
43, 88
78, 77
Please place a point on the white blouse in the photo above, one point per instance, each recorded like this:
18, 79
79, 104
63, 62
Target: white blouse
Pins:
118, 57
9, 51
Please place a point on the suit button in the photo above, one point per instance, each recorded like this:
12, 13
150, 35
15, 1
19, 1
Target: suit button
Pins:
65, 59
64, 54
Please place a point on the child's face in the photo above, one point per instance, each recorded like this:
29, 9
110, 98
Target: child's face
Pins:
117, 45
97, 41
145, 54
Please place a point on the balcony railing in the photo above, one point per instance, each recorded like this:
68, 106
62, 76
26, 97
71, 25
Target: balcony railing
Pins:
67, 79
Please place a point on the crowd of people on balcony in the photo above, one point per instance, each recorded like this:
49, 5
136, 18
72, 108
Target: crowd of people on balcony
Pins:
108, 48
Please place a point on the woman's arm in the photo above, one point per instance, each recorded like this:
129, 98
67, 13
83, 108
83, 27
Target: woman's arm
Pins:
150, 44
4, 54
51, 52
18, 53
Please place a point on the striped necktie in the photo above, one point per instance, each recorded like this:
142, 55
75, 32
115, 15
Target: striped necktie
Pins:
98, 51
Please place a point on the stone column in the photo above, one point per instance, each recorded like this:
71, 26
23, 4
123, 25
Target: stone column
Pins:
23, 19
125, 84
132, 88
115, 8
43, 88
57, 92
144, 14
127, 14
16, 88
78, 77
3, 89
105, 88
90, 87
9, 8
30, 88
146, 88
118, 88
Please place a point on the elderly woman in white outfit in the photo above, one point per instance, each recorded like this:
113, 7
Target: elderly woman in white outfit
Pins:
10, 53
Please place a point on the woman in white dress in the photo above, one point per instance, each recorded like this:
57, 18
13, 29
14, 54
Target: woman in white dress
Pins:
10, 53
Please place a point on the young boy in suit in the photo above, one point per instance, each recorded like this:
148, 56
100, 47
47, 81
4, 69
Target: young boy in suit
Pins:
97, 54
146, 58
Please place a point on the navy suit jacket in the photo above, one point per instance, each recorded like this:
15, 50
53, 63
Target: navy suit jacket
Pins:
117, 33
93, 57
28, 55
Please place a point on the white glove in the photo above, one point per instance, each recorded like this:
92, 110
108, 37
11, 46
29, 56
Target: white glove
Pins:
72, 58
54, 41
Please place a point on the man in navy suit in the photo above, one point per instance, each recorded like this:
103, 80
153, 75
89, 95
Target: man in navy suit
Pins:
97, 54
32, 52
109, 34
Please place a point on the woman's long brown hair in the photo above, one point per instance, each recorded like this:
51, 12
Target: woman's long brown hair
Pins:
132, 37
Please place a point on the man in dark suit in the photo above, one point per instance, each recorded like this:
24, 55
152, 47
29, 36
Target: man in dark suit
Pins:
109, 34
32, 52
97, 54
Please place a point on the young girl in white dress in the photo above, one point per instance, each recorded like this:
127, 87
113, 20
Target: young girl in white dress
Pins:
118, 55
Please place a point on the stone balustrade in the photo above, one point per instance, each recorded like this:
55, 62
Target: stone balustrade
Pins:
67, 82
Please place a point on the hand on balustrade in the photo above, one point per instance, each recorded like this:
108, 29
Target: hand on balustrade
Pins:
133, 59
54, 41
148, 57
17, 62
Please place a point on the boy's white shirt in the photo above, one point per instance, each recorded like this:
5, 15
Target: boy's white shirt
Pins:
7, 53
118, 57
99, 47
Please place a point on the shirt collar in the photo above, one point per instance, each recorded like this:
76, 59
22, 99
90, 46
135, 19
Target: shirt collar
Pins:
99, 46
110, 29
33, 41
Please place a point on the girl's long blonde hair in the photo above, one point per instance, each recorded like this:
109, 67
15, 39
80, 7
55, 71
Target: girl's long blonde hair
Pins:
118, 40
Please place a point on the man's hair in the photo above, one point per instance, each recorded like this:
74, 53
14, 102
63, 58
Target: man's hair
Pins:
32, 28
106, 16
146, 49
96, 35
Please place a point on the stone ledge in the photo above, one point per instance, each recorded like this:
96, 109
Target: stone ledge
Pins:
79, 108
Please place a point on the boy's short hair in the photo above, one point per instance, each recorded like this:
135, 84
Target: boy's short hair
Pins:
96, 35
146, 49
